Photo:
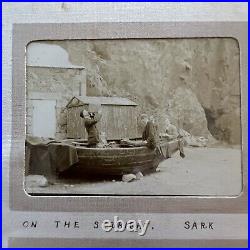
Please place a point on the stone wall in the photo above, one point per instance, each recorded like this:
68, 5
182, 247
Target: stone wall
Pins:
59, 84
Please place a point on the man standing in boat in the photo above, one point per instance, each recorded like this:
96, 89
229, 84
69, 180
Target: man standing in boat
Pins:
90, 121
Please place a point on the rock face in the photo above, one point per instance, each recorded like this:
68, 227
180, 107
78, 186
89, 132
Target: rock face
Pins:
194, 82
187, 112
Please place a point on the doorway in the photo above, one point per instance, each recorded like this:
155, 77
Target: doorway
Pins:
44, 118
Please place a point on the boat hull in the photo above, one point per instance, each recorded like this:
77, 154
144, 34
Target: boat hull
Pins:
117, 161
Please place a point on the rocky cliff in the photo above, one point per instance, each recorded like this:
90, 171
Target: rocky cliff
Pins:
194, 82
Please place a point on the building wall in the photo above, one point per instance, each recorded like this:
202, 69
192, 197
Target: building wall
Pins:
47, 54
53, 83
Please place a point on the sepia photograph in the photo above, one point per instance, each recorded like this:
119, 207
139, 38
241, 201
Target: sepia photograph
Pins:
131, 117
125, 125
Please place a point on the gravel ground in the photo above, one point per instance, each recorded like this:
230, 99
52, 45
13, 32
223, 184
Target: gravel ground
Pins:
204, 171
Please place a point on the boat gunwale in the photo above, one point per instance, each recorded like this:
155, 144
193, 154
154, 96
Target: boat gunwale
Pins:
118, 148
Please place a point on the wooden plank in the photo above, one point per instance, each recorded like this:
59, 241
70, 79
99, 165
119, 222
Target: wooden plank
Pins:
81, 131
75, 125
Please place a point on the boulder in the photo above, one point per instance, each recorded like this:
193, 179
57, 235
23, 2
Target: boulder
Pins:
36, 181
139, 175
128, 177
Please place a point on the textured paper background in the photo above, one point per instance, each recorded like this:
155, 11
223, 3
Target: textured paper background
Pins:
99, 12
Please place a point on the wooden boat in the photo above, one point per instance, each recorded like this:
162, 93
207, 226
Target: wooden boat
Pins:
49, 157
122, 160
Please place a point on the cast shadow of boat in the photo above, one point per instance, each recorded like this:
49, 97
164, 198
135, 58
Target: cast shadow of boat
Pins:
76, 175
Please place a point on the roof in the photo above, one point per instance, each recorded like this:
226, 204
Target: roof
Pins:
100, 100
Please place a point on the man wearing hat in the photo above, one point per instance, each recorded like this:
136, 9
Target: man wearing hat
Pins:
150, 135
90, 121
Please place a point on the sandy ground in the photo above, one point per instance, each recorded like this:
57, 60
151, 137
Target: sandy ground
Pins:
204, 171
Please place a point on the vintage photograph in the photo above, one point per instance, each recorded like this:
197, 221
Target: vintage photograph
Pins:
133, 117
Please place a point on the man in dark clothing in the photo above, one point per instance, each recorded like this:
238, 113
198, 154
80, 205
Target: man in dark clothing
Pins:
150, 134
90, 121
